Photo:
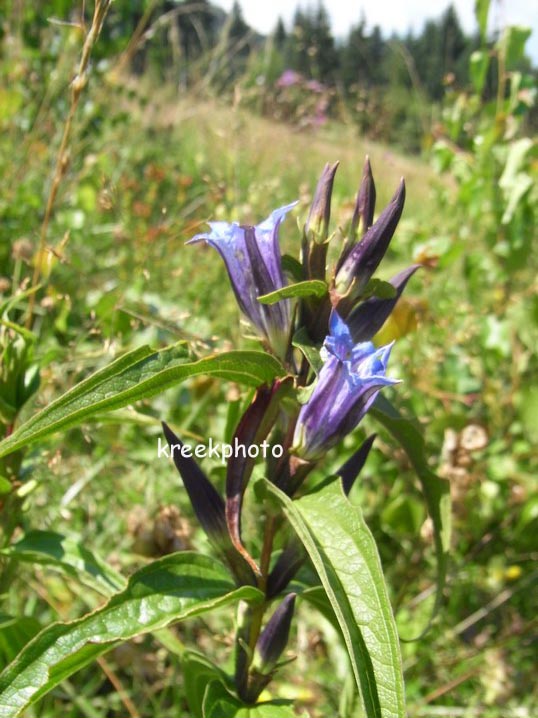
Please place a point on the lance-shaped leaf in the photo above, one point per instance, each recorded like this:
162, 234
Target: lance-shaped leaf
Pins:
140, 374
208, 506
349, 471
436, 490
365, 257
345, 557
363, 212
253, 429
368, 318
69, 556
170, 589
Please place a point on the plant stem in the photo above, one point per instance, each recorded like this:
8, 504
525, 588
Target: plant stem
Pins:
77, 85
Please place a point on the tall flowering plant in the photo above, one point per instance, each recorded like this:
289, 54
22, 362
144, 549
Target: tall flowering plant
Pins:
320, 371
319, 319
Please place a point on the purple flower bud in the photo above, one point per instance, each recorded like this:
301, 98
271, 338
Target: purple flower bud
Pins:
274, 637
362, 261
363, 212
349, 471
255, 425
252, 258
287, 564
317, 223
348, 382
368, 318
208, 506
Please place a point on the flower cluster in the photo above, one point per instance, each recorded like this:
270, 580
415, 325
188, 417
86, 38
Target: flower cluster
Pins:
332, 374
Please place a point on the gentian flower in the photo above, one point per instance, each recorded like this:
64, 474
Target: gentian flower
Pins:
348, 382
252, 258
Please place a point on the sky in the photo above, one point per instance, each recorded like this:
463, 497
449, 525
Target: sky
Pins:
391, 15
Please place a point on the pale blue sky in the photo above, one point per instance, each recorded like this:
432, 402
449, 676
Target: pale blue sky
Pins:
392, 15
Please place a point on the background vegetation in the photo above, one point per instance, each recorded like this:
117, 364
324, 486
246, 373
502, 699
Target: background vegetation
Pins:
188, 116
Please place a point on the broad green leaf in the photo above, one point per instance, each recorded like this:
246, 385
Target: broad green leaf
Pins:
481, 9
139, 375
5, 486
478, 69
171, 589
345, 556
436, 490
308, 288
512, 44
515, 181
219, 703
15, 632
68, 555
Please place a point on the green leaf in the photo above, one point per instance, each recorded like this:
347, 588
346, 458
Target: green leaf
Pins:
171, 589
198, 672
309, 288
515, 182
15, 632
436, 490
302, 341
512, 45
219, 703
68, 555
378, 288
292, 267
345, 556
481, 9
5, 486
478, 69
139, 375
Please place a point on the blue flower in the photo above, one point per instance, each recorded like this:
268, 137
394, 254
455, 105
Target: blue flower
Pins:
348, 382
252, 258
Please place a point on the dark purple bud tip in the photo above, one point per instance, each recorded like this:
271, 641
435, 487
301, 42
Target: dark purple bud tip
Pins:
288, 563
365, 257
365, 203
274, 637
207, 503
317, 223
349, 471
369, 316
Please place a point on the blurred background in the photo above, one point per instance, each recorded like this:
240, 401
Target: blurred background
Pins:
194, 111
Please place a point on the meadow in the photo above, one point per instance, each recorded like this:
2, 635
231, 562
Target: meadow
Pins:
106, 270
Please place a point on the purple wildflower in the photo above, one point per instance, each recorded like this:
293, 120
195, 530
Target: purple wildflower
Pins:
348, 382
252, 258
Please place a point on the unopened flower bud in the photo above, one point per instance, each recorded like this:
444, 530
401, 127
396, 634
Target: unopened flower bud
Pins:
274, 637
362, 261
317, 223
